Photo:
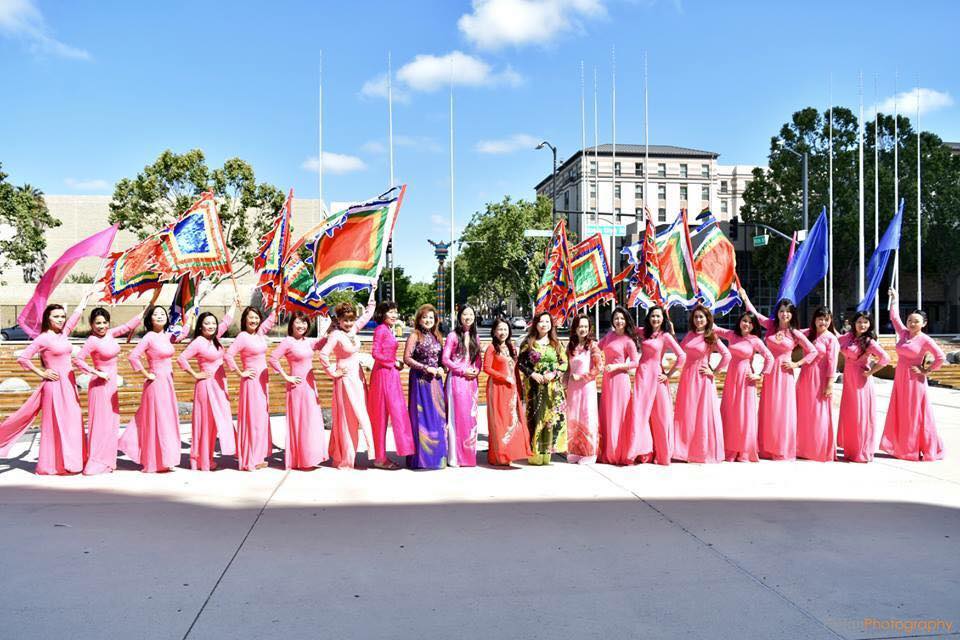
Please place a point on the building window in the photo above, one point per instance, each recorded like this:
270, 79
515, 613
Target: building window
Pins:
723, 186
566, 201
662, 170
683, 192
617, 212
639, 169
616, 191
661, 214
593, 191
638, 191
705, 170
638, 212
723, 206
683, 171
616, 168
705, 193
662, 191
593, 167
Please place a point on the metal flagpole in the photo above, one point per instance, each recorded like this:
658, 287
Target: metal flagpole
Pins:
876, 185
596, 176
320, 143
860, 186
896, 170
830, 263
613, 175
453, 255
393, 270
584, 163
646, 136
919, 250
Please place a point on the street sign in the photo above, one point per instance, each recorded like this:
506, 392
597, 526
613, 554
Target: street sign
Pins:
616, 230
761, 241
537, 233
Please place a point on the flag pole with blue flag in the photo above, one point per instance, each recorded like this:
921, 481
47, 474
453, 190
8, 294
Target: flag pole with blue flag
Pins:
889, 243
809, 264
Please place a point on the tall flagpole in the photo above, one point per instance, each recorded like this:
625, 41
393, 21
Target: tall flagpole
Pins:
876, 184
596, 175
830, 262
584, 163
919, 250
613, 176
896, 170
453, 257
393, 270
646, 136
320, 141
860, 185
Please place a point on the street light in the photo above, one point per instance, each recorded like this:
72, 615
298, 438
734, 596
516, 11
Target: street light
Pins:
554, 187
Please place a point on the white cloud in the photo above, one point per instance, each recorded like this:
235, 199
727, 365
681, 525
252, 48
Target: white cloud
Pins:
336, 163
416, 143
440, 221
428, 72
21, 19
87, 185
374, 147
377, 88
516, 142
906, 102
498, 23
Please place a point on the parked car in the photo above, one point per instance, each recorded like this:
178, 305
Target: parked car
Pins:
13, 333
518, 322
486, 322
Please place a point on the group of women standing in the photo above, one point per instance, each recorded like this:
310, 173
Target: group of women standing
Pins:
542, 397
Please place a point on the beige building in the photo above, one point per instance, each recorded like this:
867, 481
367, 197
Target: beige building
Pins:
596, 186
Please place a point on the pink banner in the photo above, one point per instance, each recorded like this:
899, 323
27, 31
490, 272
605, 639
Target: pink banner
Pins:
96, 246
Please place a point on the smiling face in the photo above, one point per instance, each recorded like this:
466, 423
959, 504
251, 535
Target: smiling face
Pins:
501, 332
252, 323
915, 323
699, 321
544, 324
583, 328
100, 326
619, 322
427, 320
158, 319
823, 323
58, 317
391, 318
656, 319
467, 318
746, 326
785, 316
346, 325
209, 327
862, 325
300, 327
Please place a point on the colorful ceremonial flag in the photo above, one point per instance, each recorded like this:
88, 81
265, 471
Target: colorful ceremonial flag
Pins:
555, 295
644, 259
132, 271
350, 253
273, 253
183, 301
299, 288
889, 243
591, 274
95, 246
809, 264
715, 262
678, 279
194, 244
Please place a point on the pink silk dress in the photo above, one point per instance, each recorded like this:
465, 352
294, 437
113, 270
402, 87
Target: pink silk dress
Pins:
815, 425
858, 410
777, 425
350, 416
617, 419
254, 442
212, 415
652, 440
306, 444
506, 423
583, 419
386, 400
461, 395
152, 438
910, 432
103, 405
698, 428
738, 406
61, 421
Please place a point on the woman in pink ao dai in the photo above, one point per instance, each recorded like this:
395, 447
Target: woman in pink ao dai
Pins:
862, 358
815, 391
620, 356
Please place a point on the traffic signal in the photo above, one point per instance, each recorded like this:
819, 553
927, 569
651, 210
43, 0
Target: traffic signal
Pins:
734, 228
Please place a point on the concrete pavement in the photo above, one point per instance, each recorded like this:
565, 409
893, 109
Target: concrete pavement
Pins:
767, 550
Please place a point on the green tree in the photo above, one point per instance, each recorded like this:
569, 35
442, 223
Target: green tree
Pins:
24, 210
774, 197
160, 193
499, 260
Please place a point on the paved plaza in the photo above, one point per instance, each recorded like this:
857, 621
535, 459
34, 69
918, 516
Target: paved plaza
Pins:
769, 550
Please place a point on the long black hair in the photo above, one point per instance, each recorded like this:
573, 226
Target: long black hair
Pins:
821, 312
864, 339
647, 331
574, 340
99, 312
630, 329
246, 313
792, 308
198, 329
496, 344
148, 318
45, 321
757, 329
473, 344
708, 334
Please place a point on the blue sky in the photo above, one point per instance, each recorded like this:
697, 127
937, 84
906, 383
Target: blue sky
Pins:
93, 91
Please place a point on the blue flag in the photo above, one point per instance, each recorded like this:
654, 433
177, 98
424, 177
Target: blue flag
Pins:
809, 265
889, 243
